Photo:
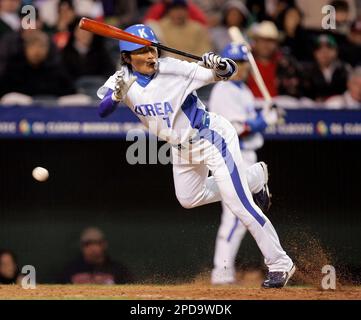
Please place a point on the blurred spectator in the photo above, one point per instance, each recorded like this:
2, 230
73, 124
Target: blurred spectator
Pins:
144, 5
49, 9
9, 270
281, 72
89, 8
123, 11
294, 35
159, 9
267, 10
267, 56
327, 75
289, 77
177, 30
344, 17
274, 8
9, 16
234, 13
65, 23
85, 54
66, 15
212, 10
95, 266
257, 9
11, 44
312, 11
343, 22
351, 50
36, 72
351, 99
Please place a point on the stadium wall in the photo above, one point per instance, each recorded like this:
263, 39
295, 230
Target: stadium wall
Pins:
315, 186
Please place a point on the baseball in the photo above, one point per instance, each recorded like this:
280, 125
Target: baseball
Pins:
40, 174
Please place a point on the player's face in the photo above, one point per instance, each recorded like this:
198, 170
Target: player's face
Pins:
144, 60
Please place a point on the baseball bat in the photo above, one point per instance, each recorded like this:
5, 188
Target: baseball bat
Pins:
109, 31
237, 37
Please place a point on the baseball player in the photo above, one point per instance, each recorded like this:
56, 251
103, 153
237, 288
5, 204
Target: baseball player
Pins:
240, 111
161, 92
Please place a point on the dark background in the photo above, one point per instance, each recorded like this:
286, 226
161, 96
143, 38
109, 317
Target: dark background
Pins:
315, 186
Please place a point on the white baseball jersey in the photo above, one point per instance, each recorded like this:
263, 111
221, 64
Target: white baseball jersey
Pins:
236, 103
168, 104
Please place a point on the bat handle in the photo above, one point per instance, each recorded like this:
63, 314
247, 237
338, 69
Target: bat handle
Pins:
181, 53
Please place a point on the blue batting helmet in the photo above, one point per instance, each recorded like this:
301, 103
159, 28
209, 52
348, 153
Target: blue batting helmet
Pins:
139, 30
236, 52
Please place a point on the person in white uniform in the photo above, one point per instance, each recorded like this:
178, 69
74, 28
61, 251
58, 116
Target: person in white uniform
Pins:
240, 111
161, 92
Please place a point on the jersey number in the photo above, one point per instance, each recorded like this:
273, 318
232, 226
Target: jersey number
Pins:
167, 120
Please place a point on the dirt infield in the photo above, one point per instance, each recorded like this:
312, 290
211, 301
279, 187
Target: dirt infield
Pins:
185, 291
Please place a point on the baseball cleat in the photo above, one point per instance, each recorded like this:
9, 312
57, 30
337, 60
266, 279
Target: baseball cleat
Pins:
278, 279
263, 198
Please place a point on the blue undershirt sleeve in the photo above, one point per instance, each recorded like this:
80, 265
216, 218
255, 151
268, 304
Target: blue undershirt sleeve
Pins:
107, 105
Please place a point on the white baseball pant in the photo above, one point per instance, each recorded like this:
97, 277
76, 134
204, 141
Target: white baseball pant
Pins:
216, 148
231, 231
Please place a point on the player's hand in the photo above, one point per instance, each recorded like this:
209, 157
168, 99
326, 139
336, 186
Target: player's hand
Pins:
223, 67
280, 111
211, 60
121, 86
270, 116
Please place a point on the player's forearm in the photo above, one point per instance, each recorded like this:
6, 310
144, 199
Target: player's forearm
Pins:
107, 105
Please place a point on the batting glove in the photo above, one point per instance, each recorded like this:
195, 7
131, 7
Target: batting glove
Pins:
121, 86
224, 67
